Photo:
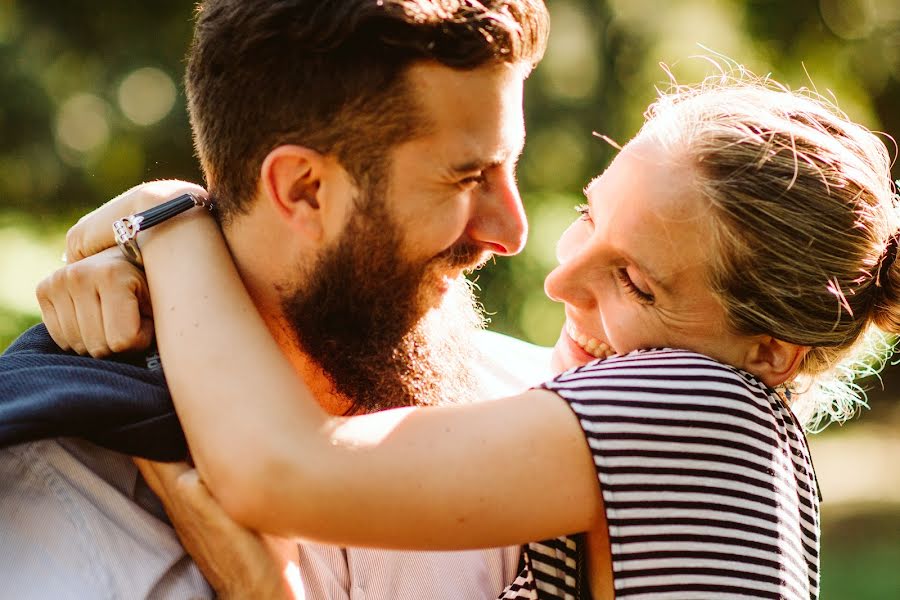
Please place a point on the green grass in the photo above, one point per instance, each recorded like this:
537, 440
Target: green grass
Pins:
12, 323
30, 249
861, 555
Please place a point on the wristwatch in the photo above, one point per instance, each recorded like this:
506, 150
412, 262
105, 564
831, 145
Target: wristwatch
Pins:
127, 228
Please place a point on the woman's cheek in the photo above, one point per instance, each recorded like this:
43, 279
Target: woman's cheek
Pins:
623, 331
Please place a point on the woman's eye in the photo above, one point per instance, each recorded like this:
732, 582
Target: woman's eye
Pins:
584, 210
631, 288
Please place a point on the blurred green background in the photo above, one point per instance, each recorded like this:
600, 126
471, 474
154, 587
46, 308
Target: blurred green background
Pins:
92, 104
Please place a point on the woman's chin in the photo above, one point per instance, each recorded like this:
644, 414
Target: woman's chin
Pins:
556, 363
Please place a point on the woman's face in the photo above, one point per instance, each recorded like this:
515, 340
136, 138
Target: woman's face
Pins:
633, 268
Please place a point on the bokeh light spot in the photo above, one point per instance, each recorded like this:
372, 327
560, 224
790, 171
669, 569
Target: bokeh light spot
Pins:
848, 19
82, 123
549, 219
146, 96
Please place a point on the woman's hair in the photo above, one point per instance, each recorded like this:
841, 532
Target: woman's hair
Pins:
805, 220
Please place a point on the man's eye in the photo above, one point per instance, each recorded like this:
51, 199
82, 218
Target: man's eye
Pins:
472, 180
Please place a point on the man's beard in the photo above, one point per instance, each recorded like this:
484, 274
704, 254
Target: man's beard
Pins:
377, 325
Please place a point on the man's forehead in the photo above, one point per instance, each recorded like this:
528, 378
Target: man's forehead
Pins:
471, 100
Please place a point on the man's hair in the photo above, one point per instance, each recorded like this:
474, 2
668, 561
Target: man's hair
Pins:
329, 75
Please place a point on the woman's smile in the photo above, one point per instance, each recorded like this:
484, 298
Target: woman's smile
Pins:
591, 345
575, 348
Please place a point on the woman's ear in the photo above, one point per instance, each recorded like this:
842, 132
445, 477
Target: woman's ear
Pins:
290, 179
774, 361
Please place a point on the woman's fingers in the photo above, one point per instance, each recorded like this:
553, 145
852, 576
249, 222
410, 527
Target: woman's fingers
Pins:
51, 320
97, 306
125, 305
58, 311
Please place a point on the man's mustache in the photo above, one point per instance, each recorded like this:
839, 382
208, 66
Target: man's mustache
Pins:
466, 256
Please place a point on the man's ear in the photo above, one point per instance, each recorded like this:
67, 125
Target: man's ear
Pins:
290, 179
774, 361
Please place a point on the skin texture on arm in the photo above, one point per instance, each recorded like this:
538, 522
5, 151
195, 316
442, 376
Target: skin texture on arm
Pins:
488, 474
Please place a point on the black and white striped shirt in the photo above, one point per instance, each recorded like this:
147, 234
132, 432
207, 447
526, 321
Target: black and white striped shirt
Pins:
707, 481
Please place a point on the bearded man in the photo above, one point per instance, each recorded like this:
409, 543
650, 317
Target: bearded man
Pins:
361, 154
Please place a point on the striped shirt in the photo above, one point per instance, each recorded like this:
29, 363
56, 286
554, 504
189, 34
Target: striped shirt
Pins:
707, 481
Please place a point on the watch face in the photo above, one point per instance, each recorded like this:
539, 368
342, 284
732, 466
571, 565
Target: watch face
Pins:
126, 228
131, 251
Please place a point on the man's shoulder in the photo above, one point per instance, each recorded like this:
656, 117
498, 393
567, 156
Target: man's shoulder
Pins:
35, 348
35, 339
121, 403
78, 523
508, 365
42, 509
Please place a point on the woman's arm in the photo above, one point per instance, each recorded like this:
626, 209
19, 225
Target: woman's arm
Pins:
487, 474
482, 475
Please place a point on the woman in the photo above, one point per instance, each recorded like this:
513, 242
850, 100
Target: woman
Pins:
749, 232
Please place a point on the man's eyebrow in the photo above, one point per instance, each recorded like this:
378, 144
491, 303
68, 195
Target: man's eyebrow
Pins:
481, 164
477, 164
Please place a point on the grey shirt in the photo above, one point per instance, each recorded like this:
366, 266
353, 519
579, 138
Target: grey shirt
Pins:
77, 521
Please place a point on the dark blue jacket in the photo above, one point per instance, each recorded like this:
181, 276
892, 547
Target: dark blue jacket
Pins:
121, 403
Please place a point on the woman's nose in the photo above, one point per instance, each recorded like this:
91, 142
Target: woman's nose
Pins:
567, 284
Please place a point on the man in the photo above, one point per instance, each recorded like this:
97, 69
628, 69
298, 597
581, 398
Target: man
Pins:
361, 154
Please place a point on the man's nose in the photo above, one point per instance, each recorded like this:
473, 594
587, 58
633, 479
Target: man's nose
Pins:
498, 219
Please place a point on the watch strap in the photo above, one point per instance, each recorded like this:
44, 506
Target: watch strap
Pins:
156, 215
127, 228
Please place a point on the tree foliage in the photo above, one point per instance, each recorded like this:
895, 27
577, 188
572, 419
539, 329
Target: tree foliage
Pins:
93, 102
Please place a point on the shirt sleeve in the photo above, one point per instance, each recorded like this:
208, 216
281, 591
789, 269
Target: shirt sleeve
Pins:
706, 490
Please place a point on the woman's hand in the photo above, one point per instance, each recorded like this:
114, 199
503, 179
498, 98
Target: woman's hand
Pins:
99, 305
237, 562
93, 232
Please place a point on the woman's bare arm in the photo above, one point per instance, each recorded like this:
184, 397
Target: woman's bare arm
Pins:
487, 474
